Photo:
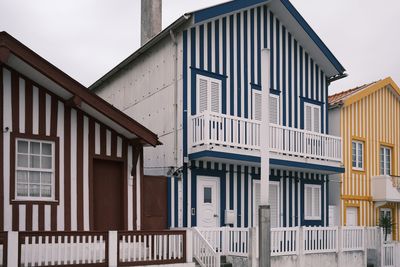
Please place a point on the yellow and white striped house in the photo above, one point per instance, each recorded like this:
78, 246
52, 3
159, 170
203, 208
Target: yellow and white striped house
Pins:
368, 120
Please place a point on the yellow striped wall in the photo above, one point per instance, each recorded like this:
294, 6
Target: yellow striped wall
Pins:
374, 119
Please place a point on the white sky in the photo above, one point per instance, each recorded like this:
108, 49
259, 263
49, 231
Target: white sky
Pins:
86, 38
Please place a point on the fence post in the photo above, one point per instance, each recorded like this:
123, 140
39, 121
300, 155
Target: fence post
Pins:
12, 249
189, 245
113, 249
301, 254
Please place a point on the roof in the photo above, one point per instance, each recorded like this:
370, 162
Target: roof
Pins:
281, 7
16, 55
350, 96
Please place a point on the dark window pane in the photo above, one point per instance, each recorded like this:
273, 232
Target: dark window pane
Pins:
207, 195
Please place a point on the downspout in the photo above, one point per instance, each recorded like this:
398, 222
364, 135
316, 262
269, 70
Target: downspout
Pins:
174, 41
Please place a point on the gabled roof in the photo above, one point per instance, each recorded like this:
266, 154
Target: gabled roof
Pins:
350, 96
282, 8
19, 57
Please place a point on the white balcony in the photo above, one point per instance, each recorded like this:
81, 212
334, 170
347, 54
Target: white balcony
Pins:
385, 188
225, 133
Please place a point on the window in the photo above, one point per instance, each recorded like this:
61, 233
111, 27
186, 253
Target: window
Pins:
207, 195
385, 160
312, 117
312, 202
273, 107
208, 94
357, 155
34, 170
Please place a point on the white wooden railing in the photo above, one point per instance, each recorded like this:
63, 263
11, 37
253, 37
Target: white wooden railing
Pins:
390, 255
151, 247
320, 239
227, 131
203, 251
63, 248
372, 237
285, 241
353, 238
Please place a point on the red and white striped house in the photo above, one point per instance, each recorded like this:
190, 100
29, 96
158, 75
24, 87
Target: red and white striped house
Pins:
69, 161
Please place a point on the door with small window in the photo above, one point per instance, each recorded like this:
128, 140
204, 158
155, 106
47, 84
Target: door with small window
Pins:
207, 202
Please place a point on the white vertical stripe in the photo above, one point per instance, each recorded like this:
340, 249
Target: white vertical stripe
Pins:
35, 110
197, 47
119, 147
249, 198
7, 122
108, 143
275, 83
130, 188
235, 179
294, 201
35, 217
189, 198
303, 62
187, 209
228, 66
97, 138
249, 92
180, 203
47, 218
235, 64
212, 46
242, 85
21, 105
298, 204
287, 78
282, 208
86, 215
73, 170
205, 45
48, 114
227, 187
242, 196
325, 201
255, 45
138, 196
60, 134
287, 201
22, 214
221, 63
173, 202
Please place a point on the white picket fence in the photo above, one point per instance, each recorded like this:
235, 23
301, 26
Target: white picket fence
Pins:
204, 253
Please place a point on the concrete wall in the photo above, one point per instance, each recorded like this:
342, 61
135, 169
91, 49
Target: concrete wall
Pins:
145, 91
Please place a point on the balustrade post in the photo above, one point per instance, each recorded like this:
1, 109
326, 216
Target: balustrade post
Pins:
13, 255
206, 128
301, 253
113, 249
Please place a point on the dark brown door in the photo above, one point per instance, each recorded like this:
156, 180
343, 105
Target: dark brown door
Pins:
108, 195
154, 197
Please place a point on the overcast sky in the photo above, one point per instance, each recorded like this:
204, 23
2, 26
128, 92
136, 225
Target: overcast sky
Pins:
86, 38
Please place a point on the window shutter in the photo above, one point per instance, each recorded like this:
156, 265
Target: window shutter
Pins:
203, 93
273, 201
257, 200
257, 103
317, 119
215, 97
308, 118
274, 110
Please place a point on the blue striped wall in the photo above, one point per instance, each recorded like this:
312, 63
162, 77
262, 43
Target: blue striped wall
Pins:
236, 193
229, 48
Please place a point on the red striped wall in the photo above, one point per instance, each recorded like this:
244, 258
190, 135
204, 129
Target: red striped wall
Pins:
28, 109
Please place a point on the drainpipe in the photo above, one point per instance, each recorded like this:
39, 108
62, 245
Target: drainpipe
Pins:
174, 41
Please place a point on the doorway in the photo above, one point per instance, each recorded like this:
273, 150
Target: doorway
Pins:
351, 216
207, 201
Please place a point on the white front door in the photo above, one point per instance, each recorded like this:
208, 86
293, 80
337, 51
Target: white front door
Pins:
388, 213
273, 202
207, 202
351, 216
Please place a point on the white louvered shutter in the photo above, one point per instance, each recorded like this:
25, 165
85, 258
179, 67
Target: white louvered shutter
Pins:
273, 201
203, 95
257, 105
317, 201
317, 119
274, 109
257, 200
308, 201
215, 96
308, 118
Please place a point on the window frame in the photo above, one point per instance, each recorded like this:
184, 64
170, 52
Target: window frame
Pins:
253, 108
313, 106
312, 217
386, 148
209, 80
54, 199
362, 143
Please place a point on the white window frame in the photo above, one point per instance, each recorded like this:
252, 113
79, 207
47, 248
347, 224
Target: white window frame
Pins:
209, 80
31, 169
278, 114
385, 148
313, 217
357, 143
313, 106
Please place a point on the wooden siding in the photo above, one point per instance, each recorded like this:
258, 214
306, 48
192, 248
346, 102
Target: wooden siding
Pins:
31, 110
373, 119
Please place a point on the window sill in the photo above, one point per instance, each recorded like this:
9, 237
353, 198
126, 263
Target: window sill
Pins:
355, 170
34, 201
312, 218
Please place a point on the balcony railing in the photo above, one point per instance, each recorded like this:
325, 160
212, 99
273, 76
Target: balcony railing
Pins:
385, 188
213, 129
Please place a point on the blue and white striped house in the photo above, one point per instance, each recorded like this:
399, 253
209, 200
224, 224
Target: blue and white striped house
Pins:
197, 84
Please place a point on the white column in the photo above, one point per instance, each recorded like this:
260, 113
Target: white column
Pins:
112, 248
12, 247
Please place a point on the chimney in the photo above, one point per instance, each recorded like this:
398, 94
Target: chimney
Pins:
151, 19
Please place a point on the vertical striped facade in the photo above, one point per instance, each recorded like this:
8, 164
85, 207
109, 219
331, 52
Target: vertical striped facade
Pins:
371, 116
32, 111
236, 193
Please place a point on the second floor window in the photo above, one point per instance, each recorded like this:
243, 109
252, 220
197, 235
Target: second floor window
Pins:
208, 94
385, 158
357, 155
312, 117
273, 107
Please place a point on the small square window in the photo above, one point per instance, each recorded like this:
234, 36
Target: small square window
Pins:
207, 195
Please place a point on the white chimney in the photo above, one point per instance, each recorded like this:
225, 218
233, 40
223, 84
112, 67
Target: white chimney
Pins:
151, 11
